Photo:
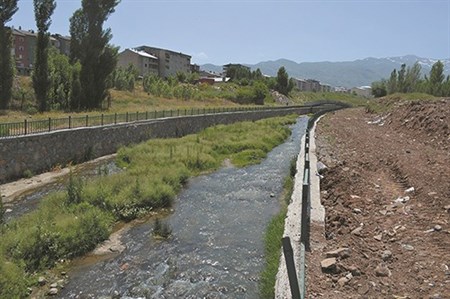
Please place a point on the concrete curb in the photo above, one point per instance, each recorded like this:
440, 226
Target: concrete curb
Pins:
292, 225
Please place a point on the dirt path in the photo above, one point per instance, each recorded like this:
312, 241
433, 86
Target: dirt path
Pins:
11, 191
387, 197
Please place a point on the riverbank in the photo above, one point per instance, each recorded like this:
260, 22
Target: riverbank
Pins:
386, 194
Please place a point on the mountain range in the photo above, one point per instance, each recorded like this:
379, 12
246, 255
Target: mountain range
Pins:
355, 73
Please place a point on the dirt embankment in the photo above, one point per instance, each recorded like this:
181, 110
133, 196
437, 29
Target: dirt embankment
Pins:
387, 197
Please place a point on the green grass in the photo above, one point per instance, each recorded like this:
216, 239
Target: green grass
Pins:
71, 223
272, 240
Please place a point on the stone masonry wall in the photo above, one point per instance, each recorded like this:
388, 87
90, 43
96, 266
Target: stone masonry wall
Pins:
41, 152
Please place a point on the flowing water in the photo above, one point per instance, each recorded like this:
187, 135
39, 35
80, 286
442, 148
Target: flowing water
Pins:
216, 249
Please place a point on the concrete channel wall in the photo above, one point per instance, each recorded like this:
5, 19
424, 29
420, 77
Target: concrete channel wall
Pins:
42, 152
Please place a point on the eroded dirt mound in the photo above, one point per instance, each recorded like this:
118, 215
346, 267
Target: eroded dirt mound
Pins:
426, 120
387, 194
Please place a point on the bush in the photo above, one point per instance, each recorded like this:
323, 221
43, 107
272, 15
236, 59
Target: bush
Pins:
13, 283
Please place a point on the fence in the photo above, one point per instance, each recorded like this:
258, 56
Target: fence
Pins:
28, 127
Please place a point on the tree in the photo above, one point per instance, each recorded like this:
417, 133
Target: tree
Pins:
401, 78
90, 46
379, 89
436, 78
43, 10
284, 85
392, 83
412, 77
7, 9
60, 75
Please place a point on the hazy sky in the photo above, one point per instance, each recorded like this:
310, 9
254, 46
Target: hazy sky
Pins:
250, 31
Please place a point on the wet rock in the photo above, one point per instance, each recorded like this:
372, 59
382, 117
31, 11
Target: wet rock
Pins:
382, 271
53, 292
386, 255
42, 281
329, 265
340, 252
437, 228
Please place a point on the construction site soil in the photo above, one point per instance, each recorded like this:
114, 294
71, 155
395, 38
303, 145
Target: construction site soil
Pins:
386, 191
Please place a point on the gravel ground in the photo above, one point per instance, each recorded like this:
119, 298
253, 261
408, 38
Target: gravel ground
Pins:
386, 192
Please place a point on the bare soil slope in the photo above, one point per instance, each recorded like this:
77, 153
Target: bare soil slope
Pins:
387, 197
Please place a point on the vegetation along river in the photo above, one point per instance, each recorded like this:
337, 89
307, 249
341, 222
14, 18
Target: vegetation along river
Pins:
216, 249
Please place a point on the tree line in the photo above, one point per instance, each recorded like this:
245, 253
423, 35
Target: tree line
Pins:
76, 83
243, 76
409, 79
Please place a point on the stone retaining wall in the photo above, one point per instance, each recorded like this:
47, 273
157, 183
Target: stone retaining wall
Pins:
41, 152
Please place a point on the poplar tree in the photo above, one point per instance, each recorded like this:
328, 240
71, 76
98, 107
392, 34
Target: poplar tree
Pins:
436, 78
392, 83
90, 46
43, 10
7, 9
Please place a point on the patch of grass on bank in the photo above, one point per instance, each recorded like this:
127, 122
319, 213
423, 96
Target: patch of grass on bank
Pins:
71, 223
272, 239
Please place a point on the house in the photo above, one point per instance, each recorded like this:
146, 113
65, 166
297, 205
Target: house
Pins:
169, 62
144, 62
363, 91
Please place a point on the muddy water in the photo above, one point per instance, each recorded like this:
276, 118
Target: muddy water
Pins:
30, 201
216, 249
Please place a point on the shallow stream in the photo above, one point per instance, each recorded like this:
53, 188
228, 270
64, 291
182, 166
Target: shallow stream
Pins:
216, 249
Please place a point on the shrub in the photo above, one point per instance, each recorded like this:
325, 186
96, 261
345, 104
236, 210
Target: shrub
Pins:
13, 283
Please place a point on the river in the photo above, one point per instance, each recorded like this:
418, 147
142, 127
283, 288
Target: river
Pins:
216, 249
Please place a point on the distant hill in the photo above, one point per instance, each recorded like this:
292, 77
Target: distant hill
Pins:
347, 73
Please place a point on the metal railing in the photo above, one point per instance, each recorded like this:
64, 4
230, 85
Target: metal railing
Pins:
28, 127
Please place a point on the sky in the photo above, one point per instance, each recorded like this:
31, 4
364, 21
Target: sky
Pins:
251, 31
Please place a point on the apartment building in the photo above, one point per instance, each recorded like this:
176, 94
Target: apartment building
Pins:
311, 85
144, 62
169, 62
24, 48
